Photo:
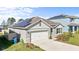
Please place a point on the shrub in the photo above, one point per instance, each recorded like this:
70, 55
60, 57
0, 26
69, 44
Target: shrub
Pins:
4, 43
70, 34
60, 37
77, 32
64, 37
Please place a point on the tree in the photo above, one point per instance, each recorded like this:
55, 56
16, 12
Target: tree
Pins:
20, 20
28, 20
3, 24
10, 21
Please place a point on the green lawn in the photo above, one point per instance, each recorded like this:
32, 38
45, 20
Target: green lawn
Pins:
21, 47
71, 38
74, 40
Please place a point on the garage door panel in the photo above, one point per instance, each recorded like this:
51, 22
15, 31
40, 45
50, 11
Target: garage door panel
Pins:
39, 36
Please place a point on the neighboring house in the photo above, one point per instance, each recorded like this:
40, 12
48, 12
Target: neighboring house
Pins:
36, 28
71, 23
73, 27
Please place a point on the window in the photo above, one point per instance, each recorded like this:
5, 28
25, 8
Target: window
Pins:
71, 28
75, 28
59, 30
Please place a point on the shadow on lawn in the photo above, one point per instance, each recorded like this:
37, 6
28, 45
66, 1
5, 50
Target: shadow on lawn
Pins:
4, 42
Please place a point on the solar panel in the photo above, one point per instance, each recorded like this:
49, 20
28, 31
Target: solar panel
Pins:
22, 24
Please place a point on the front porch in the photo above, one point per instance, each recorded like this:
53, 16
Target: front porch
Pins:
73, 28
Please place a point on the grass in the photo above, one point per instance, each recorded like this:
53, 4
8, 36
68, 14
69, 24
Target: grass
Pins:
1, 33
22, 47
71, 38
74, 40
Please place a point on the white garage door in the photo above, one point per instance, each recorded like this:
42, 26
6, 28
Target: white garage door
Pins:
39, 36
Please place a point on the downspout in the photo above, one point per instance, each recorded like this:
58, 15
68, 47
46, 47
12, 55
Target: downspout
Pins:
29, 44
50, 33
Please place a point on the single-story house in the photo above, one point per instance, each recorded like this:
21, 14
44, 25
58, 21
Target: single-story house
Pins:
36, 28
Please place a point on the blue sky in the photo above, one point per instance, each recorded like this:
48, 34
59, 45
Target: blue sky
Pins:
26, 12
52, 11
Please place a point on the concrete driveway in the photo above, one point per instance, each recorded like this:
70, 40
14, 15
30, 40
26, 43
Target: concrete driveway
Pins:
51, 45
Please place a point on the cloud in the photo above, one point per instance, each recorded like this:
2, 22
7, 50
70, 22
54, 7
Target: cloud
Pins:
16, 11
44, 17
29, 10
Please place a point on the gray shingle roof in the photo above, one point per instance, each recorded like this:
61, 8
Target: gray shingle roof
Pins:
49, 23
58, 17
62, 16
34, 20
73, 24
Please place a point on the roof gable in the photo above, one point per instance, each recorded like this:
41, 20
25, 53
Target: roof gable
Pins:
46, 22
